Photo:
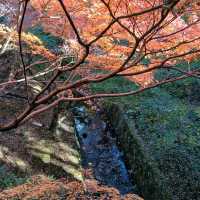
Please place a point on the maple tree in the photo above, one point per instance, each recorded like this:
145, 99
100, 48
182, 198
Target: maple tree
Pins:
124, 37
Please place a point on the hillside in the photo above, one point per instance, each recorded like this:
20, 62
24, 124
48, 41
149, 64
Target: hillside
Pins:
99, 100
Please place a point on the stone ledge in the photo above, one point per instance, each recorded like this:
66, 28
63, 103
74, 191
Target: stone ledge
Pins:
146, 174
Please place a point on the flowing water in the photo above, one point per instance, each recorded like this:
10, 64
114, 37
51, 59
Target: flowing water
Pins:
100, 153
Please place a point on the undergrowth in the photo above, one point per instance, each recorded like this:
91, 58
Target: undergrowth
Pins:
167, 119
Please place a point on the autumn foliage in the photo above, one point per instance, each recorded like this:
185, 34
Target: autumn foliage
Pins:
125, 38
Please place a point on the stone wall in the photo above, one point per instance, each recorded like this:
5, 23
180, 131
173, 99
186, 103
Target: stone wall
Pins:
145, 172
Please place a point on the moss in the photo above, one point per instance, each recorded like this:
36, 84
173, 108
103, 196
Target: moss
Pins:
166, 119
10, 179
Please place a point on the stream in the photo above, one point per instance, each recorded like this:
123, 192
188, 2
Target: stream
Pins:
101, 155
